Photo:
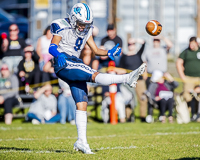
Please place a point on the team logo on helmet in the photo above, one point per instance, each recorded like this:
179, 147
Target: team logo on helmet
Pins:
77, 10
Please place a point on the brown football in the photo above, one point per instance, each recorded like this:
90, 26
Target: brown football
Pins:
153, 28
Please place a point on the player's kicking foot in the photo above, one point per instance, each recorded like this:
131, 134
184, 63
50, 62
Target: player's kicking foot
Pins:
84, 147
134, 75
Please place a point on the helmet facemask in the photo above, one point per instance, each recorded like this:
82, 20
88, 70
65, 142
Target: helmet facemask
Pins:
82, 28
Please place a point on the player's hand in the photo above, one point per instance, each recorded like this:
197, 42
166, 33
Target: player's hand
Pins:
61, 60
115, 51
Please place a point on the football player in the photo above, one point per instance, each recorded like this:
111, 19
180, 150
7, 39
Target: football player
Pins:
69, 37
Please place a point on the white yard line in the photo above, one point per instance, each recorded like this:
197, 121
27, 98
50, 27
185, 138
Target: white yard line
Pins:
19, 128
106, 136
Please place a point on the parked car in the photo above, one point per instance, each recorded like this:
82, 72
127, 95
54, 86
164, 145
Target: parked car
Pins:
7, 19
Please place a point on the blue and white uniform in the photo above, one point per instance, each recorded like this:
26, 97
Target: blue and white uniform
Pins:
74, 72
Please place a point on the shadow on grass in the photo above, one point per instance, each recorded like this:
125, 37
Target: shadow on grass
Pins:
14, 148
189, 158
95, 119
34, 150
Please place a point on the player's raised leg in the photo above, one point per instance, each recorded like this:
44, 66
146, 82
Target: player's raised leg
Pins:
130, 79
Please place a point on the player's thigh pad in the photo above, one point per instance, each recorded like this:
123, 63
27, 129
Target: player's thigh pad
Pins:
79, 91
76, 72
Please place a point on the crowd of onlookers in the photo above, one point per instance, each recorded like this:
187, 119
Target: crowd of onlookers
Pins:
28, 70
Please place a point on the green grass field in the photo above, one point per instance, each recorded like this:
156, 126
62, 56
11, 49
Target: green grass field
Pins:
122, 141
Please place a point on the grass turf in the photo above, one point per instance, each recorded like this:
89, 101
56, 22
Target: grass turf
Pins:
122, 141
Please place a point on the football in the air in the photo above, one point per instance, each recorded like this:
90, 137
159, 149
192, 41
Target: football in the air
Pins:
153, 28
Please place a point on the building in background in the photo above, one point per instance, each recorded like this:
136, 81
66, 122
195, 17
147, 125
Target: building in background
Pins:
178, 17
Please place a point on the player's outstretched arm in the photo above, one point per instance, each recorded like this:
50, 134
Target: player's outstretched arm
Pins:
115, 51
97, 51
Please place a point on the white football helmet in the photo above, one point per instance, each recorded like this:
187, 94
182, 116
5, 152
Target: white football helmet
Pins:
81, 18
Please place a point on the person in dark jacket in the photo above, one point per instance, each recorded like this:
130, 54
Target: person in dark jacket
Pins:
161, 91
28, 69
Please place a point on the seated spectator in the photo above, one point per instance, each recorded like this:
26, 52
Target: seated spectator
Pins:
28, 70
123, 97
12, 48
44, 109
66, 104
162, 93
49, 74
8, 92
89, 58
195, 108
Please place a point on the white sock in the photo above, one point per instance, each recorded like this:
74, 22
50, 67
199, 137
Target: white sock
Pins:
107, 79
81, 124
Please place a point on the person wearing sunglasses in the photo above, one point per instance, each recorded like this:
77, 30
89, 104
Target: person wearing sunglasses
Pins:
8, 92
131, 61
13, 47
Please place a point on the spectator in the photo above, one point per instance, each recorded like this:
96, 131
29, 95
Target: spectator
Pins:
44, 109
13, 47
123, 97
9, 91
161, 92
49, 74
95, 32
196, 94
28, 69
189, 71
2, 37
109, 42
131, 61
156, 57
66, 104
42, 49
89, 58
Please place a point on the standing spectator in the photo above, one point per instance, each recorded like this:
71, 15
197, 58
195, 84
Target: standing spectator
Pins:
189, 71
42, 49
44, 109
28, 69
131, 61
156, 57
109, 42
9, 91
66, 104
161, 92
13, 47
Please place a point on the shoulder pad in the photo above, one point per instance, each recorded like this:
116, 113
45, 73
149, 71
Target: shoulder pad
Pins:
59, 25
